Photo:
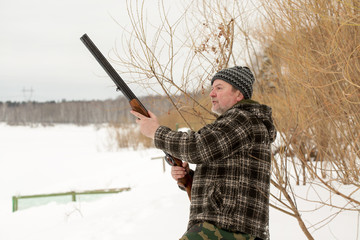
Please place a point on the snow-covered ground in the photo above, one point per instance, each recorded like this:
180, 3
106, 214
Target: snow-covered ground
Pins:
66, 158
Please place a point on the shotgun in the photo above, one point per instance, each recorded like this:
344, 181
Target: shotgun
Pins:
184, 183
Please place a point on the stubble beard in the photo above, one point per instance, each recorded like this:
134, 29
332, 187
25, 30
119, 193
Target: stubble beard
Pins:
217, 111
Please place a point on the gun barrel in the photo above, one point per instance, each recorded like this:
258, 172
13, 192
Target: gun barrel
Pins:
119, 82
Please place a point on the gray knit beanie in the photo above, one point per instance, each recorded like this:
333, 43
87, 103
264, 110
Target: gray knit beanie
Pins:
240, 77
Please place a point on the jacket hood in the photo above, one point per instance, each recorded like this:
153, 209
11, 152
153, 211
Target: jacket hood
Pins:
263, 112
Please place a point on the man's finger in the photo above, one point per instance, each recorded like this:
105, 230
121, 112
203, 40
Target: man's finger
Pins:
136, 114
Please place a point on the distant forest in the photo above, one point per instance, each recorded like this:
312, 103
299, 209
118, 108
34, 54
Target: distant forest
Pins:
77, 112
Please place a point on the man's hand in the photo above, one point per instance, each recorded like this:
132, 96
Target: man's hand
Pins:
147, 125
180, 172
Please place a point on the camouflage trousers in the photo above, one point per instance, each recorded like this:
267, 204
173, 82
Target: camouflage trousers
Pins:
207, 231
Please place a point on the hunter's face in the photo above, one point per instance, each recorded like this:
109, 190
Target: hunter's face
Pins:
223, 96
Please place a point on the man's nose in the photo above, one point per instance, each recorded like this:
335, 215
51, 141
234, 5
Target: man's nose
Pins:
212, 93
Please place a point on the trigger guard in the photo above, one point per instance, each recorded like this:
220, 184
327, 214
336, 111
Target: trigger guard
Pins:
169, 160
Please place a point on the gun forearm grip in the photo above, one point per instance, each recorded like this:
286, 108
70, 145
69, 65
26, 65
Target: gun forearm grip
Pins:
137, 106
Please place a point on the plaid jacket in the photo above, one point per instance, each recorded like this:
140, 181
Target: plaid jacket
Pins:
233, 165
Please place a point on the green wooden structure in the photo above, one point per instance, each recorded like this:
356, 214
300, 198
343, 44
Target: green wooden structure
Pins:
73, 195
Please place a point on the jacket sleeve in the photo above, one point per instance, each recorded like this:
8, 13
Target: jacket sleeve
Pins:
231, 132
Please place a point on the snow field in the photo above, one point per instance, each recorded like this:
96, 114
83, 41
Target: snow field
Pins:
69, 158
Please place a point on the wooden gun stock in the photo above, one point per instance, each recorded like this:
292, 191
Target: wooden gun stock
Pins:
184, 183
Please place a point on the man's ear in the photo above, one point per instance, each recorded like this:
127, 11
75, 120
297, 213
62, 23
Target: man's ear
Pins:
240, 96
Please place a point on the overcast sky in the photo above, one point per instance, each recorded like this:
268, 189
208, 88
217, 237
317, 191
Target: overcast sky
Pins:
41, 55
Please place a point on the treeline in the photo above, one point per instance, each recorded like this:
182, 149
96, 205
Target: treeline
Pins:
76, 112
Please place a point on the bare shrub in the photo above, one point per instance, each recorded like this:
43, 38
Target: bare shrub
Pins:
129, 136
309, 73
306, 61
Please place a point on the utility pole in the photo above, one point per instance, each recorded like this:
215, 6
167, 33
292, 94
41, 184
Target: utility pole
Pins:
27, 94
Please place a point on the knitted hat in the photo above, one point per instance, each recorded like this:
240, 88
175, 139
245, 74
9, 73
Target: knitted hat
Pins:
240, 77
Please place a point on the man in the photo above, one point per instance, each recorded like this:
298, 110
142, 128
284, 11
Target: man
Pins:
231, 182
